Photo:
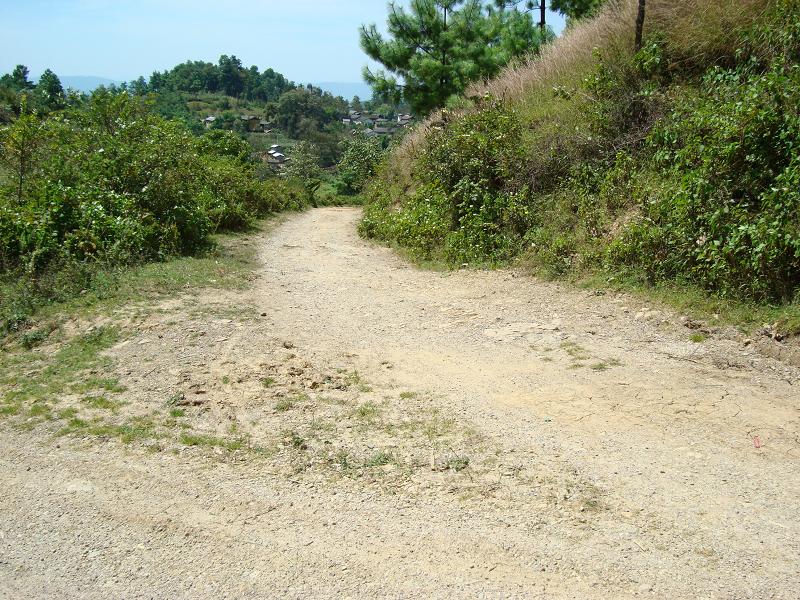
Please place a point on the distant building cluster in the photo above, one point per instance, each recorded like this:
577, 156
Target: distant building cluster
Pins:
375, 124
275, 156
252, 123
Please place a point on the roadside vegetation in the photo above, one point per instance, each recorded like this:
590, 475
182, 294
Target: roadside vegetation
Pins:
672, 168
107, 184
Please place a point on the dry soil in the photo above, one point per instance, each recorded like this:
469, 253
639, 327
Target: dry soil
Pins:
411, 433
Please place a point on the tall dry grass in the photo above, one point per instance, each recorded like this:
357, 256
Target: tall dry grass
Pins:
703, 30
697, 32
568, 56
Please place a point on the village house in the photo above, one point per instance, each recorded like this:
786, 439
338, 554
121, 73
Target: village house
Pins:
404, 120
209, 121
252, 122
375, 124
275, 157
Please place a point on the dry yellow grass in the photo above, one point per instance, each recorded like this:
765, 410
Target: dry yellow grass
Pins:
569, 55
696, 31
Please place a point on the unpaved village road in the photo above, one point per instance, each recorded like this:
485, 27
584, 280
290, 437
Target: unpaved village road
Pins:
616, 458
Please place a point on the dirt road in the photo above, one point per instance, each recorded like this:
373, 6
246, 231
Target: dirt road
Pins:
517, 439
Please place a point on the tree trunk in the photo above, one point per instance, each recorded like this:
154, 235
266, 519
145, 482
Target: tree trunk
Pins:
640, 25
543, 9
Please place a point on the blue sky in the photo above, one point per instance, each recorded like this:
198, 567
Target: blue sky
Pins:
306, 40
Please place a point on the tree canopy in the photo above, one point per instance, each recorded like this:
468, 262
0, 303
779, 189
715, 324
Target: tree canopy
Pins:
228, 77
50, 91
576, 9
437, 47
46, 96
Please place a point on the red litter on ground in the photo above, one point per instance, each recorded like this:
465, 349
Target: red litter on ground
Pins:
757, 442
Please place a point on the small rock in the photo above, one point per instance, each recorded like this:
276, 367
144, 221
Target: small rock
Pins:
288, 345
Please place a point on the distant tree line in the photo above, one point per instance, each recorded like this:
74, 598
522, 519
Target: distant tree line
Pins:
228, 77
46, 96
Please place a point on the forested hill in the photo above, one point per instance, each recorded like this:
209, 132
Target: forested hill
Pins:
228, 77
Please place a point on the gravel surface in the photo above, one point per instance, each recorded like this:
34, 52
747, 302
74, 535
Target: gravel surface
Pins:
450, 435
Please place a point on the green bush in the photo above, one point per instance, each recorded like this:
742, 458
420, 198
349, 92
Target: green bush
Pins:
462, 209
727, 215
644, 166
361, 156
110, 183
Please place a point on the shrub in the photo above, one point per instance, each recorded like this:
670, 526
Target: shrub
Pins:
663, 165
728, 215
361, 156
461, 210
109, 182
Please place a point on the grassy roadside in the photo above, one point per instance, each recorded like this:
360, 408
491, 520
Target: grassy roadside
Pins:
699, 305
25, 314
53, 370
686, 299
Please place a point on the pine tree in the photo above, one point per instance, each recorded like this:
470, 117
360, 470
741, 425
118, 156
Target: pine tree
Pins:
50, 91
438, 47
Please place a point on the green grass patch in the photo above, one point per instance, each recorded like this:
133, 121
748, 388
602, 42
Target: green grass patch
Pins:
285, 404
34, 381
457, 463
575, 351
29, 377
700, 305
379, 459
368, 411
91, 383
210, 441
228, 264
354, 379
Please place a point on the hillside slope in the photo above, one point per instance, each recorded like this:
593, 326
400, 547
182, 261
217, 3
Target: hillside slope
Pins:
677, 163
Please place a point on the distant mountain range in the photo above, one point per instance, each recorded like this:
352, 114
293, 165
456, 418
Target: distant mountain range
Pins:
85, 83
347, 89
